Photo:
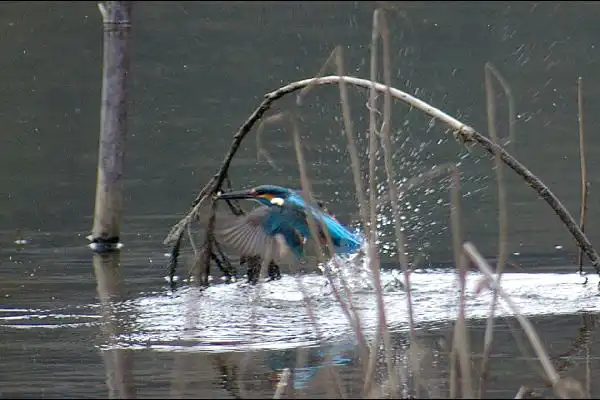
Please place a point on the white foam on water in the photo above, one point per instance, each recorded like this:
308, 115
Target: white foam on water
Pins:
274, 315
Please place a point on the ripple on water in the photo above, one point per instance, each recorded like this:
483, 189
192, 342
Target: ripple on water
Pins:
73, 317
239, 317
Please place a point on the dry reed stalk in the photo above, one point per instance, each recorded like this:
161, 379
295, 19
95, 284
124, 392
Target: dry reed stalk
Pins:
512, 112
525, 350
178, 381
387, 153
331, 60
356, 174
352, 149
182, 361
372, 106
320, 339
301, 358
282, 384
191, 239
371, 233
421, 358
227, 370
369, 229
528, 328
349, 310
441, 170
460, 344
380, 28
260, 149
588, 372
349, 129
584, 180
362, 202
502, 222
523, 391
254, 299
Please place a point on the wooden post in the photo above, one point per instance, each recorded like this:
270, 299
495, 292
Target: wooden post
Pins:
107, 213
113, 125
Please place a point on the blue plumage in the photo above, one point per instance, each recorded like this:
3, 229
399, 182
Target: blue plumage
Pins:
280, 225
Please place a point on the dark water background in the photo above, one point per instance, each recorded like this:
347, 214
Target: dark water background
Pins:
198, 70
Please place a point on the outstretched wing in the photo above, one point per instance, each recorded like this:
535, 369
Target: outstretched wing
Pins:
246, 234
263, 232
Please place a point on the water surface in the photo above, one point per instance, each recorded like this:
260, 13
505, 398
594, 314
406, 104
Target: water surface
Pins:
198, 70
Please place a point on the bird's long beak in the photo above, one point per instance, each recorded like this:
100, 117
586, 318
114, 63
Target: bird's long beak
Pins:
238, 194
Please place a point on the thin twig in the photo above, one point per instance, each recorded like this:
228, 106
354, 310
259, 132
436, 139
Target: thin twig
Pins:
584, 179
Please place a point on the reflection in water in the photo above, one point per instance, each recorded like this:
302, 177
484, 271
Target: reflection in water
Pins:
225, 318
118, 362
337, 354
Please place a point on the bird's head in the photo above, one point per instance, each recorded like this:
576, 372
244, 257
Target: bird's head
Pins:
264, 194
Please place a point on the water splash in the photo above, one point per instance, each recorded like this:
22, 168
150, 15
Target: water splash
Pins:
223, 318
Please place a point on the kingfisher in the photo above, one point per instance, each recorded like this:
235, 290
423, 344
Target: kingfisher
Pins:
279, 227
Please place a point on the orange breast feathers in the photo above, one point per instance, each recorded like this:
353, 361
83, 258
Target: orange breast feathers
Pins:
267, 196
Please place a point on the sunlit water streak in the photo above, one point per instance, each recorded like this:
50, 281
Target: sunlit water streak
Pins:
226, 317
